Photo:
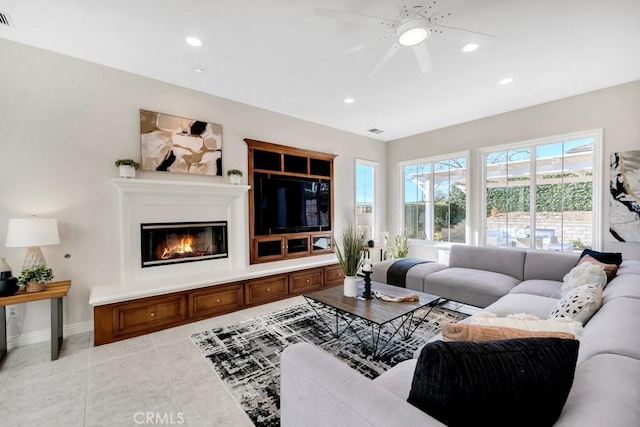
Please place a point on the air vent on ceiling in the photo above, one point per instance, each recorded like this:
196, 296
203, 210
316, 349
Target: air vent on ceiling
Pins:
376, 131
5, 20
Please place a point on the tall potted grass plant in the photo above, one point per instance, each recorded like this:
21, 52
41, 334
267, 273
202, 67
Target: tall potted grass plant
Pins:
350, 256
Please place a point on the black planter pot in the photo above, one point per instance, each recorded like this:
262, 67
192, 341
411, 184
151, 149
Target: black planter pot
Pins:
8, 284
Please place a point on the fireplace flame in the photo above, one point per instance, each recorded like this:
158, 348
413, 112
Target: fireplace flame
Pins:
185, 247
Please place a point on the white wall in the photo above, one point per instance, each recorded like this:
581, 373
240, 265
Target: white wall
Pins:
616, 110
63, 122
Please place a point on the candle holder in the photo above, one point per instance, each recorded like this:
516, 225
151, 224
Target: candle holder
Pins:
367, 294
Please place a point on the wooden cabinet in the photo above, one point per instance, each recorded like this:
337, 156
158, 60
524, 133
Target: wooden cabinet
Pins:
216, 300
148, 314
333, 276
306, 281
127, 319
266, 289
270, 163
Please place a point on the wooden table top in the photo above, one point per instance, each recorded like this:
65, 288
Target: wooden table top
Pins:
373, 310
51, 290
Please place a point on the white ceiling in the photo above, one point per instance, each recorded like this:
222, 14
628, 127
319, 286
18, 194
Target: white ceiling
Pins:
279, 55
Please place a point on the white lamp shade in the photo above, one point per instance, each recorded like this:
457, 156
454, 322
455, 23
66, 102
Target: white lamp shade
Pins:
25, 232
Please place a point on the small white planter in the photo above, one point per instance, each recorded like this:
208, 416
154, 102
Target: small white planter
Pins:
235, 179
127, 171
350, 286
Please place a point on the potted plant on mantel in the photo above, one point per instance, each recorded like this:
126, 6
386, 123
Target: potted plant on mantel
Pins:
235, 176
127, 168
33, 279
350, 257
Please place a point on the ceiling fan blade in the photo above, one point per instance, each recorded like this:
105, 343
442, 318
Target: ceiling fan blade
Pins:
384, 59
464, 8
423, 57
353, 17
460, 34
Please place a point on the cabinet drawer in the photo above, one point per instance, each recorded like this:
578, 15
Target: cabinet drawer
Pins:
305, 281
266, 289
149, 314
333, 276
216, 300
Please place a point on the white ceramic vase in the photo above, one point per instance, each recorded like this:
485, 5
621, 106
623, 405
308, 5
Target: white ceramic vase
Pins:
235, 179
350, 286
127, 171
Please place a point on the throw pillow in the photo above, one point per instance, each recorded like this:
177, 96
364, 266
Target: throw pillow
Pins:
528, 322
579, 304
583, 274
469, 332
609, 269
467, 383
604, 257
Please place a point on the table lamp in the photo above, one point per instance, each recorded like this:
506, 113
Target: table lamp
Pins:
32, 233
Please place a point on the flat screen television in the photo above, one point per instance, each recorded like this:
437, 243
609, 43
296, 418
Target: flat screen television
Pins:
285, 204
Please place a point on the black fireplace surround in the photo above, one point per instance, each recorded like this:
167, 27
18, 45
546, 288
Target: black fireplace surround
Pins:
178, 242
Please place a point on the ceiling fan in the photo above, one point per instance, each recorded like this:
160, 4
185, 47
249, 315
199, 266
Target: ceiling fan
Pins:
415, 24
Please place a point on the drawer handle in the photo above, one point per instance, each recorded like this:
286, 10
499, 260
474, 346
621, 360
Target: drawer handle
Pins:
268, 289
218, 300
152, 314
308, 281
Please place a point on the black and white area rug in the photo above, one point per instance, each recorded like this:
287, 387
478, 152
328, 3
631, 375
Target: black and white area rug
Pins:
246, 355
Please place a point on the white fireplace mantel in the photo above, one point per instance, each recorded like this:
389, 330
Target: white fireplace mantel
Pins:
144, 201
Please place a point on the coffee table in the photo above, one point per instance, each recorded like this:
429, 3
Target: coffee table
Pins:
376, 314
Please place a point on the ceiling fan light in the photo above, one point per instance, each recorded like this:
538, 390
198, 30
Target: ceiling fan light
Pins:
470, 47
413, 36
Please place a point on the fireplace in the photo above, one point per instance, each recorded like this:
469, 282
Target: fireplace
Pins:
180, 242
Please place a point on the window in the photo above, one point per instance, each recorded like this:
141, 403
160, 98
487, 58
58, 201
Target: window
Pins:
435, 198
541, 194
365, 198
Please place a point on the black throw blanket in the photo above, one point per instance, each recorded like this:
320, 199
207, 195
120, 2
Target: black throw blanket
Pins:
397, 272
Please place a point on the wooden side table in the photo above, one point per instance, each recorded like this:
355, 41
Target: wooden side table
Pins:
54, 291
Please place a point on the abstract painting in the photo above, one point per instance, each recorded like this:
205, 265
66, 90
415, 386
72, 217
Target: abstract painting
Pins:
624, 202
179, 145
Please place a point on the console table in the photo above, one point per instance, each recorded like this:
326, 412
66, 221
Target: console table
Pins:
54, 291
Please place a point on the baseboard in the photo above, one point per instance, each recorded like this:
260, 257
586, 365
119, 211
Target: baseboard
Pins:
45, 334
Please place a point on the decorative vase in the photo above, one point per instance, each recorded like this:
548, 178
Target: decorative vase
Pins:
350, 286
34, 287
8, 283
127, 171
235, 179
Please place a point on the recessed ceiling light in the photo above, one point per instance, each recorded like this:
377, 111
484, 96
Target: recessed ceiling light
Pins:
470, 47
193, 41
199, 69
506, 81
349, 100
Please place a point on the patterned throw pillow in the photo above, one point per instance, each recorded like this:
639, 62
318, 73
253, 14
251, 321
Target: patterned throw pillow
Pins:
528, 322
583, 274
579, 303
470, 332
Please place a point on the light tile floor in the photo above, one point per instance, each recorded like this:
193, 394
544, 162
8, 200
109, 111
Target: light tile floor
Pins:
162, 376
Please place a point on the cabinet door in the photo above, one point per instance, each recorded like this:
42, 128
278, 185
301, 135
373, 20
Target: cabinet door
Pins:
306, 281
268, 248
333, 275
266, 289
149, 314
216, 300
321, 243
297, 246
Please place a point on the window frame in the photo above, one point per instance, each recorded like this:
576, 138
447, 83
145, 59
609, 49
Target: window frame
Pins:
469, 194
375, 232
597, 186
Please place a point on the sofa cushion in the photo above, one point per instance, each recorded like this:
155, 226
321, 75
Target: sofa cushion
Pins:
537, 305
548, 265
467, 383
629, 266
528, 322
624, 285
579, 303
604, 257
605, 392
474, 287
398, 379
583, 274
609, 269
498, 260
542, 287
613, 329
470, 332
415, 275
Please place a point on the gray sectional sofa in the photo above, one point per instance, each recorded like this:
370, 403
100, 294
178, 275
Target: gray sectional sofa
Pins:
319, 390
